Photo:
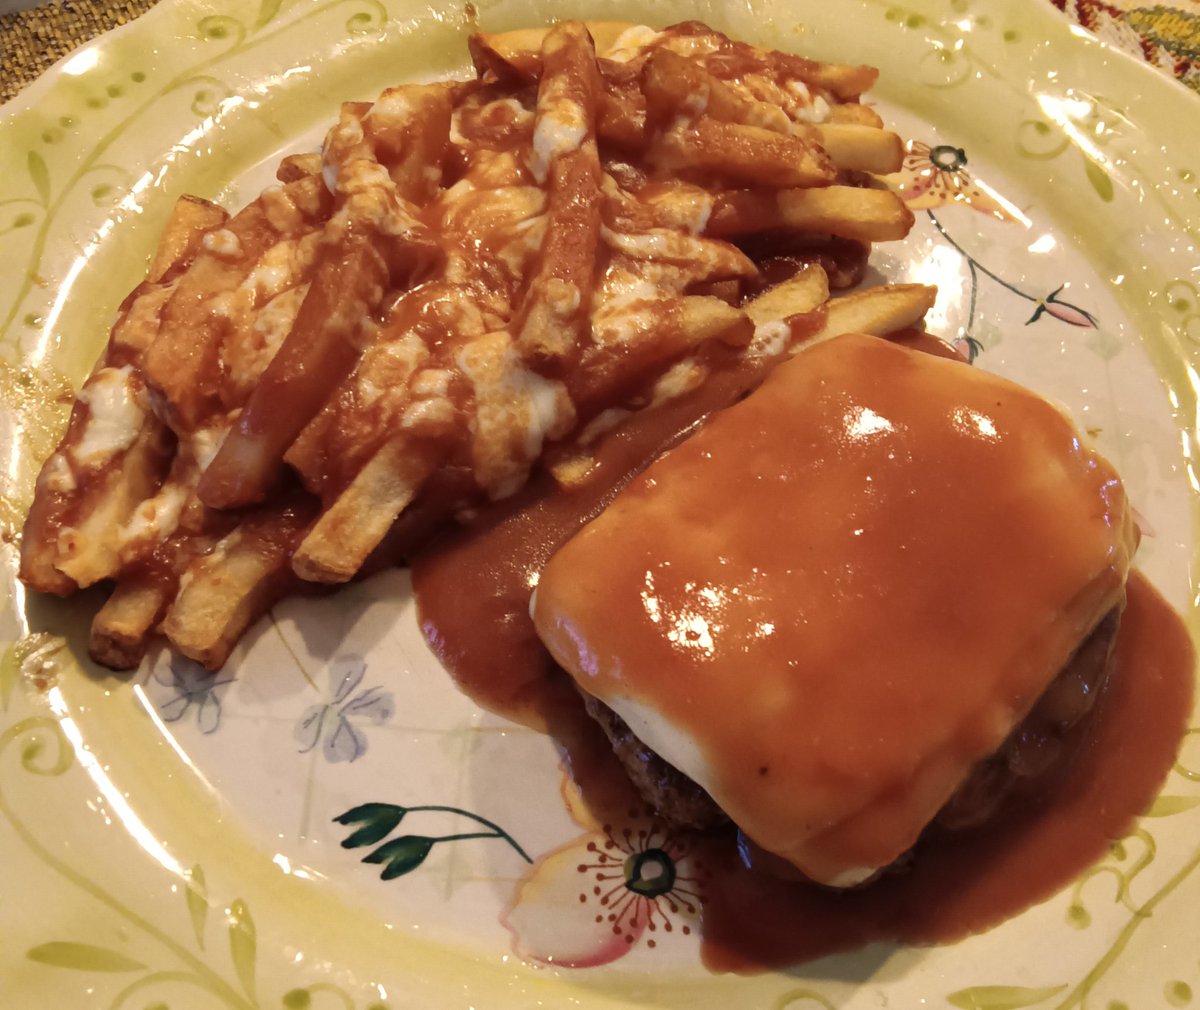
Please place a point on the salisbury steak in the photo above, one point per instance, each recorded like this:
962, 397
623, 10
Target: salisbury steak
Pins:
835, 604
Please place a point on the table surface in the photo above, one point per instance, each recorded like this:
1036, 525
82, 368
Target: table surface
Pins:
1167, 36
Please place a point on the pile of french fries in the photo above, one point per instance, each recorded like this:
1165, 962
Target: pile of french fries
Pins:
468, 276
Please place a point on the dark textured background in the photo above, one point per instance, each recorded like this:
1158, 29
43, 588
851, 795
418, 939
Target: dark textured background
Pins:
32, 40
1165, 35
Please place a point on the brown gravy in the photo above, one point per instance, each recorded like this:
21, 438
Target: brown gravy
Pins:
473, 590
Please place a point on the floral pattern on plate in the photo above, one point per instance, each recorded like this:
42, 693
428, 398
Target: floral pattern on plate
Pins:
138, 847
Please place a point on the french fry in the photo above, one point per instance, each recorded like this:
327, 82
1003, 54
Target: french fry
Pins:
621, 120
409, 129
138, 323
319, 351
867, 215
746, 154
88, 549
556, 303
222, 593
140, 316
862, 148
877, 311
295, 167
190, 218
705, 260
362, 411
843, 81
705, 318
863, 214
345, 535
676, 86
805, 291
39, 541
121, 628
607, 374
851, 113
519, 53
91, 486
183, 362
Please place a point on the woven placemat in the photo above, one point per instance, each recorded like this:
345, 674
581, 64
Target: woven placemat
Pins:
32, 40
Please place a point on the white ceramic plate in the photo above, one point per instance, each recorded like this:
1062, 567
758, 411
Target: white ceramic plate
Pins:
169, 841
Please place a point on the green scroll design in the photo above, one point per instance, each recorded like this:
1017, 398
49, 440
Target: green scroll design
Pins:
43, 749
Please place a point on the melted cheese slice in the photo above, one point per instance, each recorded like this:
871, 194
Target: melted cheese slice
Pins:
842, 593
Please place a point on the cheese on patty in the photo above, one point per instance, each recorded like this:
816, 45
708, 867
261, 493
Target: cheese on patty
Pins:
842, 593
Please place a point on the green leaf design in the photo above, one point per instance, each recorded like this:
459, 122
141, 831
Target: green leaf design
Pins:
1001, 997
1099, 179
267, 10
10, 666
243, 945
378, 820
40, 175
401, 856
1165, 806
197, 901
82, 957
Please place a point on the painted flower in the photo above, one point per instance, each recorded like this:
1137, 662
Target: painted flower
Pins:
336, 725
594, 899
194, 689
1065, 311
934, 176
968, 348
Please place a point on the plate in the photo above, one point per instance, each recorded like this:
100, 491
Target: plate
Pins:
171, 840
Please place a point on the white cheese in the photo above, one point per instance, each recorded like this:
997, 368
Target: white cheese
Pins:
603, 422
426, 415
818, 112
115, 417
329, 173
282, 213
223, 243
800, 90
431, 382
666, 244
562, 296
770, 339
518, 115
685, 207
545, 398
456, 134
57, 476
680, 750
682, 377
281, 266
393, 107
248, 350
559, 130
626, 306
206, 442
630, 43
692, 45
156, 518
516, 410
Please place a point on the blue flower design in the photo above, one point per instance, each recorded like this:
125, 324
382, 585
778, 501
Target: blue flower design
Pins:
337, 724
195, 688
